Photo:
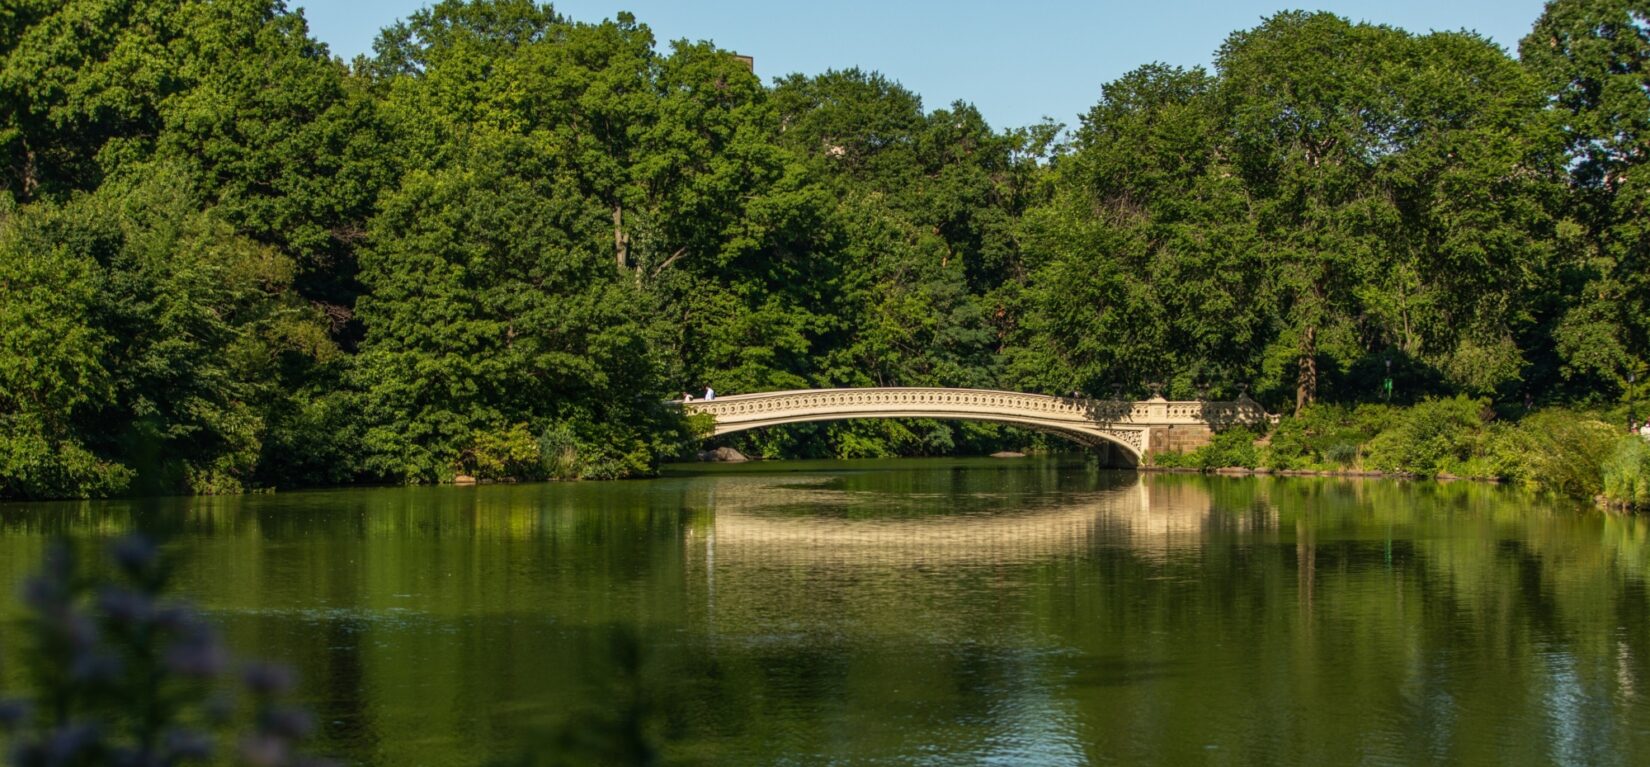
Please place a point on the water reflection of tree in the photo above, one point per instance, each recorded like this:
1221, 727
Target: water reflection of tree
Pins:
1153, 623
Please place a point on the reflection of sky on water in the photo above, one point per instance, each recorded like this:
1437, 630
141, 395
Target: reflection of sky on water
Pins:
1626, 686
1033, 725
1580, 712
1563, 704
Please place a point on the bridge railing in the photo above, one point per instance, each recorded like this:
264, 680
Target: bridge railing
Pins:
1157, 411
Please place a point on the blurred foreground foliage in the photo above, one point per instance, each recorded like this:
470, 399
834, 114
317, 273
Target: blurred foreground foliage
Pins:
121, 673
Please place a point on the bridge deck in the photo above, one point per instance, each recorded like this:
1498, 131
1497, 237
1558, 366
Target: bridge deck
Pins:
1128, 424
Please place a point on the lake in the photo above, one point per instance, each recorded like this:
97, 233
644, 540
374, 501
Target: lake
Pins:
915, 612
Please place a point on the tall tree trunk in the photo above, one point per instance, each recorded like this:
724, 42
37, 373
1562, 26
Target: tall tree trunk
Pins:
1306, 385
31, 180
621, 245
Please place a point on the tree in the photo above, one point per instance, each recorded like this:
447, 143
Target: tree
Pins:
412, 46
491, 306
279, 140
140, 338
53, 365
1396, 184
1594, 58
1146, 265
236, 92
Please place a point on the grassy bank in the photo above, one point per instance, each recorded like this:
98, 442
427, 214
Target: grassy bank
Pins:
1577, 453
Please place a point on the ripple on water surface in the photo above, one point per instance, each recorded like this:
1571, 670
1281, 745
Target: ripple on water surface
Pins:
928, 612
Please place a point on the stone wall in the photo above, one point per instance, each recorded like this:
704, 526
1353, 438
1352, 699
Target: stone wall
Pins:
1180, 438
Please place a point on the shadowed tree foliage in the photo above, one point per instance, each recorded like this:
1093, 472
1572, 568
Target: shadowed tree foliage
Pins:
145, 344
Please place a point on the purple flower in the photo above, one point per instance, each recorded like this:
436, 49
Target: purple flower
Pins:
96, 668
12, 713
66, 744
265, 751
123, 756
200, 656
189, 745
79, 630
135, 554
179, 619
126, 606
45, 594
219, 708
290, 723
268, 680
95, 634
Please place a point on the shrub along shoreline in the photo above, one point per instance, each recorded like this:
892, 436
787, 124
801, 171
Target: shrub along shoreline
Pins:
1569, 452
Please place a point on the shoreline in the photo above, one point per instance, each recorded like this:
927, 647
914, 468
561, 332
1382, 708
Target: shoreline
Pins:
1239, 471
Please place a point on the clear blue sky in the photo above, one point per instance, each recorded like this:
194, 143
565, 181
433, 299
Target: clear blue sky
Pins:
1017, 62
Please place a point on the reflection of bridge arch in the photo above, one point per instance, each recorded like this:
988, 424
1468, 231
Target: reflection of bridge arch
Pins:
1137, 427
798, 523
883, 563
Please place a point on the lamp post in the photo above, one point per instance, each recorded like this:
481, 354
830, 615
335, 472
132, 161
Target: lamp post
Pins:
1631, 414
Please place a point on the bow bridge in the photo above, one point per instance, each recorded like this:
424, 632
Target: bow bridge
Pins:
1138, 429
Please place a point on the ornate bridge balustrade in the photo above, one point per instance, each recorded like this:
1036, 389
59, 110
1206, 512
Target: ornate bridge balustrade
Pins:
1139, 428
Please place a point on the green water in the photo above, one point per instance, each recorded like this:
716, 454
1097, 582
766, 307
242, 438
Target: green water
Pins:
929, 612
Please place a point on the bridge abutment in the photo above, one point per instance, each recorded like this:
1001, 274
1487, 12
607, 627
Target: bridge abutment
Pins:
1178, 438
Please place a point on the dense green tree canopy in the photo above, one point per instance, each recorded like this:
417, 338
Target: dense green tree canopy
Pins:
1593, 57
500, 243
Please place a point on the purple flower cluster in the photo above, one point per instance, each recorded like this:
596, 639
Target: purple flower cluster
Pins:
118, 669
277, 727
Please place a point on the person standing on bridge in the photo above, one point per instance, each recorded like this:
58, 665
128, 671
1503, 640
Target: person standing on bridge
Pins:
710, 394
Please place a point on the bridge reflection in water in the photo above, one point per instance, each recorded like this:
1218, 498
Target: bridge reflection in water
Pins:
773, 520
871, 567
